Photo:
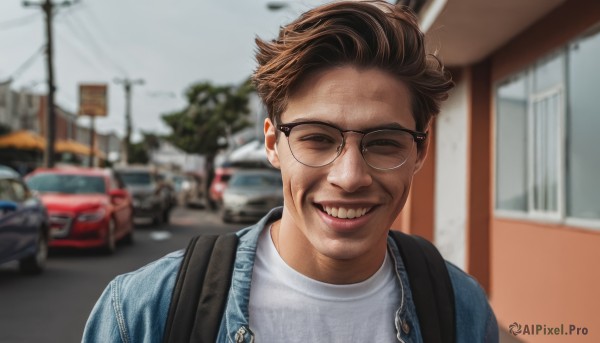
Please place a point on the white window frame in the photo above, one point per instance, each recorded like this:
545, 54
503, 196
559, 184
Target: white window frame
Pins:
558, 215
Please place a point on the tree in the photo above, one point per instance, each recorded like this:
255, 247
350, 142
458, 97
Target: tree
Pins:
139, 152
212, 115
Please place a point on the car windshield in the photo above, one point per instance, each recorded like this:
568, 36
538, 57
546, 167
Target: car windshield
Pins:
67, 183
255, 180
136, 178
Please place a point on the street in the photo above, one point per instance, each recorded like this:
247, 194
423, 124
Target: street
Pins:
54, 306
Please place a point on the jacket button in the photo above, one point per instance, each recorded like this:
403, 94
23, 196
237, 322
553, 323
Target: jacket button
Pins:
405, 327
239, 335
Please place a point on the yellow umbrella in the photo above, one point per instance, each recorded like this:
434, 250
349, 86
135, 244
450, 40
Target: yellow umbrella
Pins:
25, 140
71, 146
76, 148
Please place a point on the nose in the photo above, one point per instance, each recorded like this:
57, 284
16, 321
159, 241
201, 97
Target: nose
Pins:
349, 171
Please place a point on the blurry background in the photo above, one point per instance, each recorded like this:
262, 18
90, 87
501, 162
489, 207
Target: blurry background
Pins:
509, 191
170, 45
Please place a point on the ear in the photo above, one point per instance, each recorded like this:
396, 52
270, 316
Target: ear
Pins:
423, 148
271, 143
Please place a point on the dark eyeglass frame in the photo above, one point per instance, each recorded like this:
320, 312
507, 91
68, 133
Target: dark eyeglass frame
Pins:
419, 137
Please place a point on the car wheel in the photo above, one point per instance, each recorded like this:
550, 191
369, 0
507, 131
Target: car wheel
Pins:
213, 205
35, 263
166, 216
128, 239
158, 218
111, 239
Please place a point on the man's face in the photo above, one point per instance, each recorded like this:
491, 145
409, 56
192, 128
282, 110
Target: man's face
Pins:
350, 99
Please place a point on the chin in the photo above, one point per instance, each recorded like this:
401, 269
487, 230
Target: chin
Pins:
342, 248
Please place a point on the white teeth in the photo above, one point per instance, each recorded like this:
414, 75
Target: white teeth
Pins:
346, 213
351, 213
333, 212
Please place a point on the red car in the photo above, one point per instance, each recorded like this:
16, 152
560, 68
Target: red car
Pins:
88, 208
218, 185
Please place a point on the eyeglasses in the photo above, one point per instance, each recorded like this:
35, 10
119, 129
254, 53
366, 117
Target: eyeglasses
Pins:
317, 144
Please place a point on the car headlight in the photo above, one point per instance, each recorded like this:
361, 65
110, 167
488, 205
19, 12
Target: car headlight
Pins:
234, 199
92, 216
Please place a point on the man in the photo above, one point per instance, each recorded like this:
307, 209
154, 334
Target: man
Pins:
350, 93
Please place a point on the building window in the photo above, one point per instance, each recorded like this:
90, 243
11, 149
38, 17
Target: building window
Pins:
583, 168
547, 122
511, 145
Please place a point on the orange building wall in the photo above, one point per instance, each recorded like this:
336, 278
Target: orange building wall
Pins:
545, 273
479, 175
61, 125
417, 216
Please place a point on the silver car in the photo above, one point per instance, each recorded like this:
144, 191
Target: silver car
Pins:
251, 194
152, 196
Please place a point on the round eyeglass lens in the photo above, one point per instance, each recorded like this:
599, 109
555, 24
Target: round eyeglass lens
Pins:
315, 145
387, 149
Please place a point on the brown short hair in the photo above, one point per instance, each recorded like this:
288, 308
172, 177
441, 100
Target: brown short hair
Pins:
359, 33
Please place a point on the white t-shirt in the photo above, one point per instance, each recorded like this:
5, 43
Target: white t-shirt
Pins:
286, 306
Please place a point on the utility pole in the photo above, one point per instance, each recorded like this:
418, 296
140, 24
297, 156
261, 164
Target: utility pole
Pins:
48, 8
127, 83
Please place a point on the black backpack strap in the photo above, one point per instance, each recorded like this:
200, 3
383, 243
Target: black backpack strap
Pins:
430, 286
201, 289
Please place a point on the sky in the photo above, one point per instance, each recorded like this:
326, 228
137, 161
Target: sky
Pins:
170, 44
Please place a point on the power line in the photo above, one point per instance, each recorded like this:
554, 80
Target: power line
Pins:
28, 63
91, 41
116, 65
89, 12
17, 22
74, 48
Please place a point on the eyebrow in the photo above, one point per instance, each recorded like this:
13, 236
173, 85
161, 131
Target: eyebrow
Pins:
372, 128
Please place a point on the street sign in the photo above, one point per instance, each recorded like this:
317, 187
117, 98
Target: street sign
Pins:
93, 100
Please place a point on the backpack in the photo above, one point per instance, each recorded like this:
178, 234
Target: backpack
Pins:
204, 277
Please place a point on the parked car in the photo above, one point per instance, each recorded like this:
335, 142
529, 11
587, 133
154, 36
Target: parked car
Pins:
88, 207
251, 194
219, 184
152, 196
24, 226
168, 180
189, 190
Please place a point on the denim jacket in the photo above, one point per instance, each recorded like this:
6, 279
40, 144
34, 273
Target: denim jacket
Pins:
134, 306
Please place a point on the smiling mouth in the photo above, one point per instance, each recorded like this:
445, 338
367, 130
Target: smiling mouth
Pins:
345, 213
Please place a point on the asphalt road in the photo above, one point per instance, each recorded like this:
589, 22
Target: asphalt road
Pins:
54, 306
